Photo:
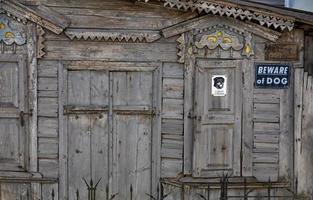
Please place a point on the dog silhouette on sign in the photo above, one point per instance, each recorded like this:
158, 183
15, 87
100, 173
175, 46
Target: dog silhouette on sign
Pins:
219, 82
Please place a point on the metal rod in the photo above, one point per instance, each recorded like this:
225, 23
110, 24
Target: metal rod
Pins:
208, 194
245, 189
52, 194
269, 189
77, 194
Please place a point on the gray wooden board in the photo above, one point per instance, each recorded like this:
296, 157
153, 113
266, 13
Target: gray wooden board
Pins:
47, 127
47, 68
132, 167
76, 50
118, 15
49, 167
15, 191
48, 190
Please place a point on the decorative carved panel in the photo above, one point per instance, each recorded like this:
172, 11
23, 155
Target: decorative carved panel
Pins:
226, 41
9, 34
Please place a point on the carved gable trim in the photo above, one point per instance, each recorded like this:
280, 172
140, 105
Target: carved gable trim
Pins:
40, 15
203, 23
234, 11
117, 35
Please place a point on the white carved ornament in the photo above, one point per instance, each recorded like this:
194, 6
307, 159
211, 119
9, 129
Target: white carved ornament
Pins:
218, 8
118, 35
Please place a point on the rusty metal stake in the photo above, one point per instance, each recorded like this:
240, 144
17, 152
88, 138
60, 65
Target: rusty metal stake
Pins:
208, 196
77, 194
91, 189
245, 189
52, 194
269, 189
131, 192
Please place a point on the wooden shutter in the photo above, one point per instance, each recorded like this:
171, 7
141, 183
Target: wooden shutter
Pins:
87, 130
218, 120
110, 130
13, 114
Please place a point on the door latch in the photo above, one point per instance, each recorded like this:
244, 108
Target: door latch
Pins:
22, 118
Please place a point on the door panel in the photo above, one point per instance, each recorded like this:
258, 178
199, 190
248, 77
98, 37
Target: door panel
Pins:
132, 133
87, 131
132, 168
13, 115
109, 128
217, 119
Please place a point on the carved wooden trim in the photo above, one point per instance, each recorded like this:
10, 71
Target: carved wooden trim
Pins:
40, 42
181, 48
40, 15
232, 10
118, 35
227, 41
206, 22
9, 34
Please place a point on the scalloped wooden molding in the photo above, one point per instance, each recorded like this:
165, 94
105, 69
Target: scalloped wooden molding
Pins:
41, 42
231, 10
117, 35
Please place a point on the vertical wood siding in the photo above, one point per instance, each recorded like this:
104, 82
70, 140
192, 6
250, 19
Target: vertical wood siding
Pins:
172, 120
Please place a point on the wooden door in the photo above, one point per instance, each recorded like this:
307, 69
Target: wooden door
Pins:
110, 120
217, 133
13, 114
132, 133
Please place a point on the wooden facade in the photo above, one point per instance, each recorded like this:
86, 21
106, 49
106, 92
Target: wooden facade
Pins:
122, 93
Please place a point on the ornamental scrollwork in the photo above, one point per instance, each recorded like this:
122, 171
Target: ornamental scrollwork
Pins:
9, 35
226, 41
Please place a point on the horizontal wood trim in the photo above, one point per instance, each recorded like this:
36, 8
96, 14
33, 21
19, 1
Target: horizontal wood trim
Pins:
146, 110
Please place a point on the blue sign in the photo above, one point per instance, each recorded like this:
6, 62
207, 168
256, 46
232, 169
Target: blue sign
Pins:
271, 75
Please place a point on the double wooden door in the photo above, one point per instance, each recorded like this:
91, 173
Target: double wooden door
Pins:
218, 107
110, 125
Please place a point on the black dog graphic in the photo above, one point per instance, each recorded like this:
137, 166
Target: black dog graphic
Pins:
219, 82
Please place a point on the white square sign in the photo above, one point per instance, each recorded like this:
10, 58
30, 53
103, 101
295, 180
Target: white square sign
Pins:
219, 85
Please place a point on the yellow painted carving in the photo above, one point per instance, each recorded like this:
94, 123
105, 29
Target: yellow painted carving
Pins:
212, 39
9, 35
2, 25
219, 34
227, 40
248, 49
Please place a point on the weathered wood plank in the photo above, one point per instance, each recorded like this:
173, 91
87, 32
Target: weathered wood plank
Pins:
76, 50
14, 191
50, 192
99, 140
48, 84
247, 127
132, 164
172, 126
173, 70
48, 148
49, 168
171, 167
48, 107
47, 127
79, 159
47, 68
173, 88
173, 109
